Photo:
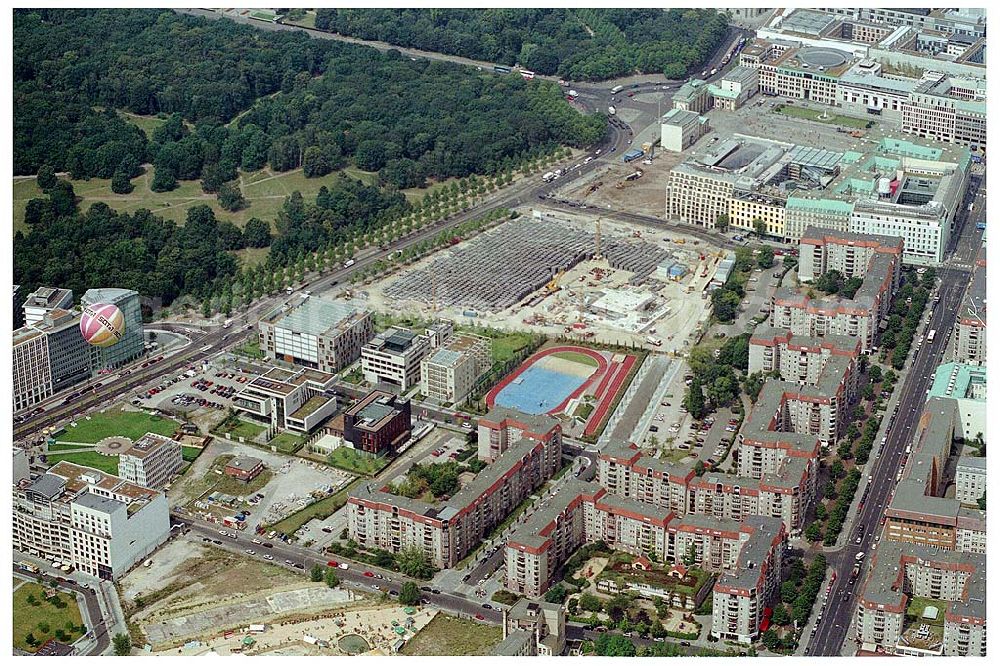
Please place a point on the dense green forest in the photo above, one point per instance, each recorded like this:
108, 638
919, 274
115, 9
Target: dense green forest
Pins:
232, 97
578, 44
311, 103
101, 247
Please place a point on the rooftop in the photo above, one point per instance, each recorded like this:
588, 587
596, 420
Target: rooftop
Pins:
309, 315
245, 463
959, 380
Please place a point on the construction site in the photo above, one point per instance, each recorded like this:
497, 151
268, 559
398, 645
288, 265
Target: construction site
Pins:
564, 274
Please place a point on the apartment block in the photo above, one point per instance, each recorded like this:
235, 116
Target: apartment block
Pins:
393, 357
447, 531
31, 372
857, 317
747, 554
298, 400
970, 329
450, 373
100, 523
316, 333
907, 575
503, 427
742, 593
533, 628
970, 480
151, 462
966, 385
918, 512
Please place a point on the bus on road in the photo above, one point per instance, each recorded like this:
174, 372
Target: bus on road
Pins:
501, 69
930, 336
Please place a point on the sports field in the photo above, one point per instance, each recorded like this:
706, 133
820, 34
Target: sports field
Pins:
133, 425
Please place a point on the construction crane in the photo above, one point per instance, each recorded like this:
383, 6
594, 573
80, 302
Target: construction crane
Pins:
553, 285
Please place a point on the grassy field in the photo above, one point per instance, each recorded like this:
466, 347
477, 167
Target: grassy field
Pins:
831, 118
287, 442
576, 357
252, 256
321, 509
93, 459
265, 190
352, 461
915, 611
243, 429
146, 123
307, 21
42, 619
508, 344
251, 348
446, 636
120, 423
190, 453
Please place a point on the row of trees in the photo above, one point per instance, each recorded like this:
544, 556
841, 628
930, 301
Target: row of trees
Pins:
578, 44
829, 522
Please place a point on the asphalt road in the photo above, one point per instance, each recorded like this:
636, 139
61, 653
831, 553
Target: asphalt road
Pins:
838, 618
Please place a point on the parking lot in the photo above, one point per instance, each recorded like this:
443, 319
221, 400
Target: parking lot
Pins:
681, 439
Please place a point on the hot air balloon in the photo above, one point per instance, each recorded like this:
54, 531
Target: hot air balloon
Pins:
102, 324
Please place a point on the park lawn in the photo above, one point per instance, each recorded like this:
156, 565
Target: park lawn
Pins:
116, 423
93, 459
576, 357
286, 442
324, 508
250, 348
28, 617
831, 119
348, 459
447, 636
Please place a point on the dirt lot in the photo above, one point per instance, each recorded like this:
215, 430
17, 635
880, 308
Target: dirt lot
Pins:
645, 195
285, 491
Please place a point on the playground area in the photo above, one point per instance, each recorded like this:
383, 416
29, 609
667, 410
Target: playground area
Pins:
574, 381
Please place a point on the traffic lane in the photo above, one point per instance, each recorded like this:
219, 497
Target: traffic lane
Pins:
833, 631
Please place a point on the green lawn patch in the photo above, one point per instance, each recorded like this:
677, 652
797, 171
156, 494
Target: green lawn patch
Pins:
286, 442
146, 123
250, 349
324, 508
915, 611
576, 357
93, 459
116, 423
817, 116
353, 461
190, 453
583, 411
239, 428
66, 447
450, 636
57, 618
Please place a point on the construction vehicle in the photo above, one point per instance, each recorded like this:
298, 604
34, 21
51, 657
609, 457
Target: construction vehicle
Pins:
553, 285
680, 241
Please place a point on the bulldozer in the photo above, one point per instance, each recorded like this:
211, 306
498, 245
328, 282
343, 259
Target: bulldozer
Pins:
553, 284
